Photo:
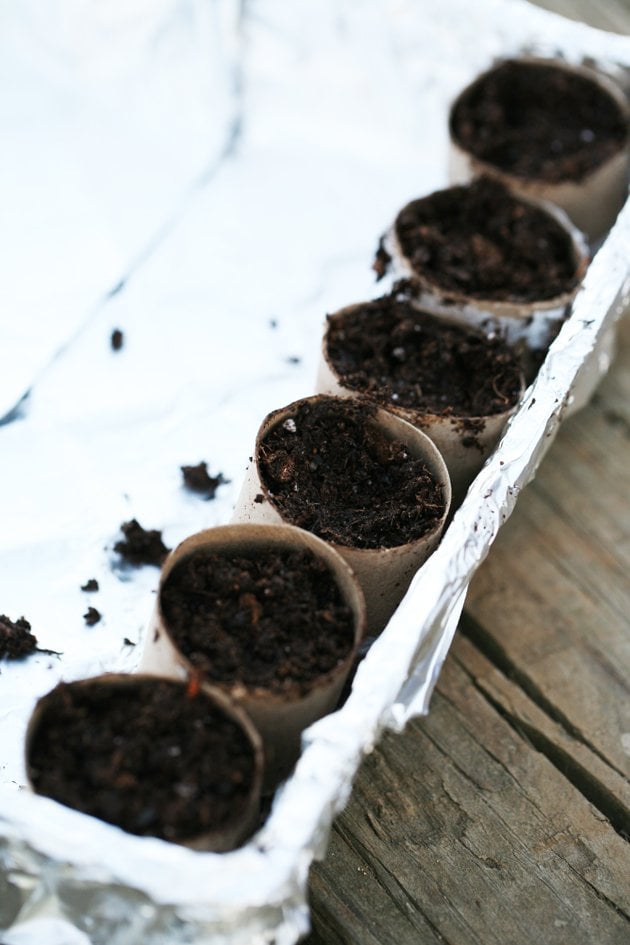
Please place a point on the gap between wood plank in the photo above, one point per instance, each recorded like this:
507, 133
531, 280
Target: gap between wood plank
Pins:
582, 779
410, 881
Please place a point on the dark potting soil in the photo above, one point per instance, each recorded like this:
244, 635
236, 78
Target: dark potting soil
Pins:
92, 616
141, 546
198, 479
482, 241
149, 758
398, 355
538, 121
329, 470
275, 619
16, 639
382, 260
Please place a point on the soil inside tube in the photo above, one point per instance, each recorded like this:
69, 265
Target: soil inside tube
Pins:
329, 469
399, 355
274, 620
481, 241
539, 121
150, 758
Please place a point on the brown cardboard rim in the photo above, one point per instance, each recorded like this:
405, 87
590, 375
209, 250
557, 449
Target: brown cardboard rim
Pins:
396, 426
457, 303
218, 840
447, 432
243, 537
384, 574
279, 717
410, 414
592, 202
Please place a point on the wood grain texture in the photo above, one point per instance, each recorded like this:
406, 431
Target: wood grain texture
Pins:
504, 816
469, 834
552, 603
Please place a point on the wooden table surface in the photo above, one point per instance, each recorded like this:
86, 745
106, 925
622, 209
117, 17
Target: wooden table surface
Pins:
504, 816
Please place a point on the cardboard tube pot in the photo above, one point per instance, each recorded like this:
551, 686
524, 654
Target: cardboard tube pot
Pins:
452, 382
482, 255
149, 755
280, 707
548, 131
384, 571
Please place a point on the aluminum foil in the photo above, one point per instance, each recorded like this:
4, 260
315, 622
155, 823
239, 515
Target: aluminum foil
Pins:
211, 177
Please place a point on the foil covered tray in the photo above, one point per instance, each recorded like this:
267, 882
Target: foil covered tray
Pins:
212, 179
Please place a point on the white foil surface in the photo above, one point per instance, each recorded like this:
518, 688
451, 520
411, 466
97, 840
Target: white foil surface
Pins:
212, 177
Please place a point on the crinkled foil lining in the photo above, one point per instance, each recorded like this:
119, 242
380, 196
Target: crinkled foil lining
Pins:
99, 441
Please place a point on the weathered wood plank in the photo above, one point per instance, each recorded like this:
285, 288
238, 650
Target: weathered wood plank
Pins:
552, 602
475, 836
611, 15
608, 791
369, 915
